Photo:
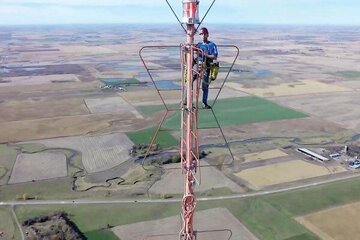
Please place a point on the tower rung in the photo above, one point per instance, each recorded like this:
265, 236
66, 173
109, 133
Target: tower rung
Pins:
196, 157
192, 133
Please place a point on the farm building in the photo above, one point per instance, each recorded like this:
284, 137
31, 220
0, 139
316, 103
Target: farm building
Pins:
312, 154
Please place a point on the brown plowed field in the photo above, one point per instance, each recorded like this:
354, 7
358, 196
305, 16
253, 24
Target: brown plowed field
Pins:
340, 108
338, 223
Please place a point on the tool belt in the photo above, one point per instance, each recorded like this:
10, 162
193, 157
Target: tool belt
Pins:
214, 70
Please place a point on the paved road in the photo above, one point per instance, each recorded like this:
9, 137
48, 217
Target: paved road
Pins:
242, 195
12, 204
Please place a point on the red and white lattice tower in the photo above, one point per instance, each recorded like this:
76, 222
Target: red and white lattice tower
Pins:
189, 144
192, 73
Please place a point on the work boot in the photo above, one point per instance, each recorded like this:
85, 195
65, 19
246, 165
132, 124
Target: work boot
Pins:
205, 106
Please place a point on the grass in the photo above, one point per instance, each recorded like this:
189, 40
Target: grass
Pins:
119, 81
30, 147
90, 90
48, 189
75, 163
6, 224
82, 185
305, 236
148, 111
7, 150
348, 74
317, 139
245, 110
305, 201
101, 234
268, 217
139, 174
7, 160
236, 111
104, 215
224, 191
130, 81
164, 138
3, 171
263, 219
229, 112
269, 222
136, 175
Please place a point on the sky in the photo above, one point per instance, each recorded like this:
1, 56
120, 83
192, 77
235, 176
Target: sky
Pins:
299, 12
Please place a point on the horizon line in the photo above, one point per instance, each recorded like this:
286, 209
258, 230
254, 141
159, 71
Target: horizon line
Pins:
169, 23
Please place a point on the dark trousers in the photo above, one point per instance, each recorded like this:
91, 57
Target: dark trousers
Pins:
205, 86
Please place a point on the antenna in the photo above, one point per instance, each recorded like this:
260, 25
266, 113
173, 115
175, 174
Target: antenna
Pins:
189, 140
191, 77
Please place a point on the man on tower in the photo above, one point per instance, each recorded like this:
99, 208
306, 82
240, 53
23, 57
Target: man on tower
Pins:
210, 54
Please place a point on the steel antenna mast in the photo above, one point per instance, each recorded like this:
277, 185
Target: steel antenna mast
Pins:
191, 77
189, 144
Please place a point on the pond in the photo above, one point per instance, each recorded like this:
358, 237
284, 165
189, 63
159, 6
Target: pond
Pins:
263, 73
355, 138
129, 68
4, 70
169, 85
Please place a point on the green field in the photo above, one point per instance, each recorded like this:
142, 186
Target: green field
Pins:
3, 171
223, 191
149, 110
101, 234
6, 224
267, 222
259, 216
7, 160
102, 215
164, 138
30, 147
348, 74
7, 153
229, 112
47, 189
115, 82
268, 217
55, 189
305, 201
234, 111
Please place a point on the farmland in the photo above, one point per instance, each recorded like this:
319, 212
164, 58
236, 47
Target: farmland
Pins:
41, 166
283, 172
330, 223
6, 224
276, 211
98, 153
236, 111
68, 136
248, 110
